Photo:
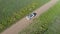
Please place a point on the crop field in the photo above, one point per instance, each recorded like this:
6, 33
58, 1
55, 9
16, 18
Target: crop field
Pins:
14, 10
47, 23
54, 27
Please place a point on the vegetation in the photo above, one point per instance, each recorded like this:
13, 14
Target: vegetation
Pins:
47, 23
54, 27
13, 10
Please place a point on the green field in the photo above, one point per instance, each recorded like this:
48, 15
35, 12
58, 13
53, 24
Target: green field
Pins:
13, 10
47, 23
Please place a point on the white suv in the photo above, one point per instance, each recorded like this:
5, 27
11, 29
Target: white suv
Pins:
30, 16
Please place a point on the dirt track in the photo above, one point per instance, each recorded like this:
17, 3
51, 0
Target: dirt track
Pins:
23, 23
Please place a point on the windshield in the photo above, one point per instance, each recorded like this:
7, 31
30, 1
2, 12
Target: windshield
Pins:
31, 15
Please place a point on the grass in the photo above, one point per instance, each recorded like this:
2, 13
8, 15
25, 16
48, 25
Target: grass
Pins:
54, 28
47, 23
13, 10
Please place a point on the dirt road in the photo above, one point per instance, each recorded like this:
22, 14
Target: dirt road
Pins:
23, 23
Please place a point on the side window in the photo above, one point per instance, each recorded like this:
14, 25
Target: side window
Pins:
31, 15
